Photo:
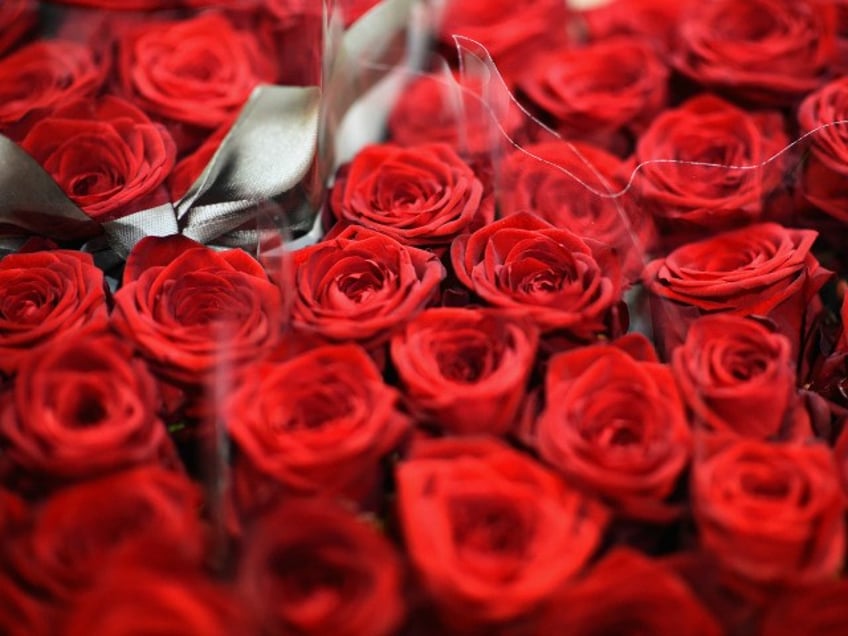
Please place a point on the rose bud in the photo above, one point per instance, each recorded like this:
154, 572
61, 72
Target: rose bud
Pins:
361, 285
528, 267
576, 187
736, 377
82, 528
615, 425
771, 513
692, 201
194, 74
318, 423
312, 569
513, 32
491, 533
766, 272
81, 408
766, 51
824, 172
44, 295
817, 609
41, 76
465, 370
107, 156
17, 18
423, 196
191, 310
605, 93
627, 593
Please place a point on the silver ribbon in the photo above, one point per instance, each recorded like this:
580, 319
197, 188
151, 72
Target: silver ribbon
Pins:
268, 155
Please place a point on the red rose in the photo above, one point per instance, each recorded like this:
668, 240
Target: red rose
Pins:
319, 422
513, 32
627, 593
764, 271
565, 183
771, 513
530, 268
465, 370
616, 425
653, 20
190, 310
80, 408
423, 196
824, 173
490, 532
41, 76
312, 569
361, 285
197, 72
124, 5
605, 93
107, 156
44, 295
134, 597
736, 377
21, 614
17, 18
81, 529
453, 111
769, 51
699, 199
818, 609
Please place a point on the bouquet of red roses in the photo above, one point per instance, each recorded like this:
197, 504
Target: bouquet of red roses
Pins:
469, 317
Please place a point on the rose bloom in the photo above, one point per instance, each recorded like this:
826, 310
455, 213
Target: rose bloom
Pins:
512, 32
194, 73
360, 285
771, 513
824, 172
816, 609
616, 425
465, 370
318, 423
191, 310
652, 20
41, 76
423, 195
313, 569
17, 18
762, 271
736, 377
82, 528
627, 593
768, 51
606, 92
107, 156
80, 408
490, 532
697, 200
527, 267
575, 186
454, 111
44, 295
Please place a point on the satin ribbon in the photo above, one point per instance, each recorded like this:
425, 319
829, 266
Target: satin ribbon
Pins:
270, 157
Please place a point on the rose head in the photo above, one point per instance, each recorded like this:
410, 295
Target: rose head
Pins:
44, 295
318, 423
422, 195
107, 156
763, 271
465, 370
768, 51
528, 267
189, 309
312, 569
616, 426
360, 285
771, 513
652, 20
490, 532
